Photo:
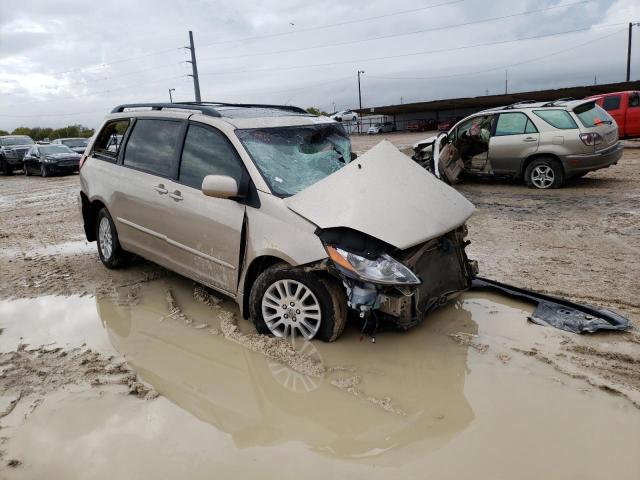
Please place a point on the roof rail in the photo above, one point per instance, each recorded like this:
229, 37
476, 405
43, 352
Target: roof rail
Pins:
204, 109
521, 102
553, 103
289, 108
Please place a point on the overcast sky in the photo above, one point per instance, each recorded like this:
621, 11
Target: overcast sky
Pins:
65, 61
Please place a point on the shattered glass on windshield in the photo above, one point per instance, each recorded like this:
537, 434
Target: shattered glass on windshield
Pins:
293, 158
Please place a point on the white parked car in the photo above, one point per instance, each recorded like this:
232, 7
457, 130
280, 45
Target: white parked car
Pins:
381, 128
345, 116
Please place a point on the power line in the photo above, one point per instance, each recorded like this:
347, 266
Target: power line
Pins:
403, 34
331, 25
159, 52
412, 54
502, 67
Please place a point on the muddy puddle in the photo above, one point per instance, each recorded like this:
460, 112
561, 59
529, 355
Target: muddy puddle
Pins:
463, 395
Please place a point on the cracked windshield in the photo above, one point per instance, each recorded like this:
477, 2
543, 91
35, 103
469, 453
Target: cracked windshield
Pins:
291, 159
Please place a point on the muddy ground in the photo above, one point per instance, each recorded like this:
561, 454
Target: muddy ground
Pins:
77, 338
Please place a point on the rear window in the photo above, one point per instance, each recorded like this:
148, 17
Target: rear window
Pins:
152, 146
591, 115
611, 103
560, 119
105, 147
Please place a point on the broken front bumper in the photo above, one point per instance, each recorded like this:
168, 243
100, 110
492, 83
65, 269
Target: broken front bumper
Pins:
444, 270
558, 312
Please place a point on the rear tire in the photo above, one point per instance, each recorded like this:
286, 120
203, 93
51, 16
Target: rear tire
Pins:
111, 253
6, 168
544, 173
319, 303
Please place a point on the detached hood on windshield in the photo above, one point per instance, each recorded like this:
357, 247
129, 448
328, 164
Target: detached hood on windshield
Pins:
384, 194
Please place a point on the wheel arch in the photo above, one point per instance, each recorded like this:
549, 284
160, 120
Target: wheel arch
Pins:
536, 156
255, 268
90, 209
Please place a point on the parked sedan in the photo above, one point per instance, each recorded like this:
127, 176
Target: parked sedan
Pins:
78, 144
47, 160
381, 128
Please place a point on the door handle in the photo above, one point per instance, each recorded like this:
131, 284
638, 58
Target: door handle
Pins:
530, 139
176, 195
160, 189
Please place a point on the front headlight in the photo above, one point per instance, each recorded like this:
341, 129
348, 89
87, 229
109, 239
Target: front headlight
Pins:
9, 153
383, 270
49, 159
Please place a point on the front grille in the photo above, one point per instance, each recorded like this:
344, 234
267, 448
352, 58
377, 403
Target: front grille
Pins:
21, 152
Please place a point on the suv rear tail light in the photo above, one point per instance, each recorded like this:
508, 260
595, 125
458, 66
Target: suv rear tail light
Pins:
591, 139
83, 159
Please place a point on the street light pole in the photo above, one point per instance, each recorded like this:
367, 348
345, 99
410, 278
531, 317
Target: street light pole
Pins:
360, 100
170, 97
631, 25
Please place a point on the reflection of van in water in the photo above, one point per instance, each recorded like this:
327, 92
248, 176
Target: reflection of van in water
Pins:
238, 392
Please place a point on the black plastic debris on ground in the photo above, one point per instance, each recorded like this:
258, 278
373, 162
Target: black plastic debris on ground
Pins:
558, 312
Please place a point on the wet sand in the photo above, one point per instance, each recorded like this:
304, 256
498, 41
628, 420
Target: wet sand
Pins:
475, 391
458, 410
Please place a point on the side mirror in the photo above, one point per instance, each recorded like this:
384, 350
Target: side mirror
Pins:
219, 186
353, 156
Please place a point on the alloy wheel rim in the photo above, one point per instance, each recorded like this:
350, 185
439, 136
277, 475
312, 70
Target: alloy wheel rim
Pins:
105, 238
290, 308
543, 176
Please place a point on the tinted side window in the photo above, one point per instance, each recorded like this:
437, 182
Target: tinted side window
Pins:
152, 146
511, 124
560, 119
611, 103
104, 146
530, 128
207, 152
634, 99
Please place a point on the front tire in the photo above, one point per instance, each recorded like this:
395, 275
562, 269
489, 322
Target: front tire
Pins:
111, 253
7, 169
43, 170
26, 170
286, 301
544, 173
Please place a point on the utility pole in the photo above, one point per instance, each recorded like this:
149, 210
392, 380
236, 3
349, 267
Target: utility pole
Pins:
506, 81
194, 67
170, 97
631, 25
360, 100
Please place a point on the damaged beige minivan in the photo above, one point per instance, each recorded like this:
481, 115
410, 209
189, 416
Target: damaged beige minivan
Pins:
268, 205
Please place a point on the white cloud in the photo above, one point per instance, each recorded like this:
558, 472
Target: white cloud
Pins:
64, 57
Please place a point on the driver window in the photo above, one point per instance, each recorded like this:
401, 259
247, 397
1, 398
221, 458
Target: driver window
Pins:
207, 152
634, 99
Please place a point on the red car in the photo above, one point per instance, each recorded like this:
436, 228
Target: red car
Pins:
624, 107
422, 125
446, 125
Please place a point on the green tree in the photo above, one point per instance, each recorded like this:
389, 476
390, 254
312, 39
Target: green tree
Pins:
317, 111
4, 132
40, 133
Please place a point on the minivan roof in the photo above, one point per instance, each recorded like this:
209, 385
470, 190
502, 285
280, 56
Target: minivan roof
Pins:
236, 114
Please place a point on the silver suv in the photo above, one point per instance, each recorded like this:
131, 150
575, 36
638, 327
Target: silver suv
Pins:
542, 143
268, 205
